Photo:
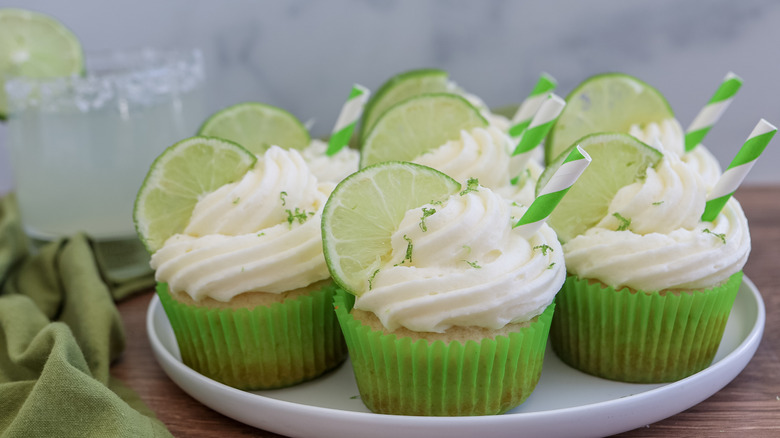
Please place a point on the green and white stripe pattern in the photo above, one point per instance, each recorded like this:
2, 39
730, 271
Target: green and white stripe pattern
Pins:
552, 193
540, 125
348, 117
522, 118
710, 114
738, 169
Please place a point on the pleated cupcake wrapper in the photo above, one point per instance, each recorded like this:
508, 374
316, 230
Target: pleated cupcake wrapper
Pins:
265, 347
636, 336
406, 377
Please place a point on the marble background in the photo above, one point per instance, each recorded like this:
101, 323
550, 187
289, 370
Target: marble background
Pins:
304, 55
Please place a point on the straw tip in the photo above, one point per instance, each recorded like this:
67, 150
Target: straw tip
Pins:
549, 77
765, 126
556, 100
582, 153
731, 75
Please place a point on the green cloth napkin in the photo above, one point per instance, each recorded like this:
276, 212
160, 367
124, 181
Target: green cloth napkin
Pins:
59, 332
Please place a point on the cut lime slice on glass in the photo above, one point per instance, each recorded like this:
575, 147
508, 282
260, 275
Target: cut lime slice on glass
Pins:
610, 102
257, 126
417, 125
180, 176
34, 45
366, 208
399, 88
618, 160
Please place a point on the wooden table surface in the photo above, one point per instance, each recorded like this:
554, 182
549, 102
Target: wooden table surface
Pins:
749, 406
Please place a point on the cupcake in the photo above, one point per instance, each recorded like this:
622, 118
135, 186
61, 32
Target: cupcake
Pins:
452, 308
245, 284
650, 286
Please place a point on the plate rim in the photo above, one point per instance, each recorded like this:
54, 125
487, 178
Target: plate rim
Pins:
742, 353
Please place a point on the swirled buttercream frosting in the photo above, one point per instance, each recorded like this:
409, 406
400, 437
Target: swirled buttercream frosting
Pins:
653, 237
261, 233
669, 136
330, 168
460, 263
484, 153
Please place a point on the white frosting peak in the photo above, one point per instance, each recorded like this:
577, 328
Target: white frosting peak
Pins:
331, 169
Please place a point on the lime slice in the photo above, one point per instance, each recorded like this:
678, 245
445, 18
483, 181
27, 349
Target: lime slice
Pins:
610, 102
618, 160
365, 209
178, 178
36, 46
417, 125
257, 126
399, 88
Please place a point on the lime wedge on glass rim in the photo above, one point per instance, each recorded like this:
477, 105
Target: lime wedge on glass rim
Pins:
399, 88
366, 208
618, 160
417, 125
178, 178
34, 45
257, 126
609, 102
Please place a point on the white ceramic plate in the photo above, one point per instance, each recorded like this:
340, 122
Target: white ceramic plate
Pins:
566, 402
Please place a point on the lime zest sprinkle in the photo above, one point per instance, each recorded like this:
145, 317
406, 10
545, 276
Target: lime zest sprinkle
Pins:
721, 236
472, 185
299, 215
473, 264
354, 397
544, 248
439, 203
426, 212
551, 265
408, 255
235, 201
281, 196
467, 248
515, 204
260, 234
371, 279
242, 269
624, 223
658, 203
409, 247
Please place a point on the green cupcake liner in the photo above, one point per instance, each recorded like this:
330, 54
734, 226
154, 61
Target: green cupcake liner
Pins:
261, 348
402, 376
639, 336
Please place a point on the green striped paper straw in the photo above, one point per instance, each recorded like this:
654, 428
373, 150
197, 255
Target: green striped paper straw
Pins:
348, 117
540, 125
738, 169
552, 193
710, 114
522, 118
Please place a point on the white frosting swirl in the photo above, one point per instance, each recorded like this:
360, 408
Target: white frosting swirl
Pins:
479, 153
331, 169
665, 246
669, 136
465, 266
261, 233
484, 153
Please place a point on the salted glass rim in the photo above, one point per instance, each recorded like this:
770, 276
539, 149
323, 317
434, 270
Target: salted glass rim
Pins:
140, 76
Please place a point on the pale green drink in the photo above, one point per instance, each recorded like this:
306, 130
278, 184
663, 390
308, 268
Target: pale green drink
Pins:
81, 146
